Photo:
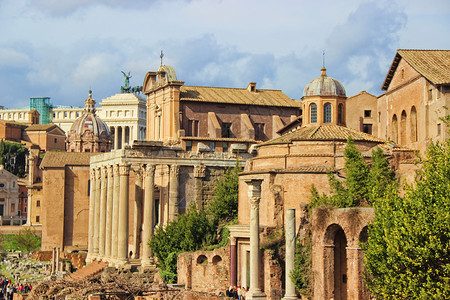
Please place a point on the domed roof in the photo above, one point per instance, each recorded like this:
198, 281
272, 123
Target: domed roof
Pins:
89, 121
324, 86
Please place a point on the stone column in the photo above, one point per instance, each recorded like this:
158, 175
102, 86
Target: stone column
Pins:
116, 137
102, 229
353, 287
109, 209
123, 136
173, 192
290, 254
57, 258
115, 219
97, 210
52, 269
233, 261
31, 159
254, 194
137, 211
149, 204
91, 215
122, 249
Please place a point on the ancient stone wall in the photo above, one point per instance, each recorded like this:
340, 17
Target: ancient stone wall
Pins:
205, 271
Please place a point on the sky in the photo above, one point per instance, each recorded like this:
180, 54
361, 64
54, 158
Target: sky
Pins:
62, 49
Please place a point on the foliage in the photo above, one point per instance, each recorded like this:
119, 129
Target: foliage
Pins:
301, 275
13, 157
361, 183
188, 233
26, 241
407, 255
224, 206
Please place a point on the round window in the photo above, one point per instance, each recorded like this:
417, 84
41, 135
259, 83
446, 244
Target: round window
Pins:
2, 185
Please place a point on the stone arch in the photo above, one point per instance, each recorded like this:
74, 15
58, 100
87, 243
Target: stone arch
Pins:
335, 262
216, 259
413, 121
327, 112
403, 128
363, 235
202, 259
394, 129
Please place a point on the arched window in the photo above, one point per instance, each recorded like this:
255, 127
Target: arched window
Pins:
313, 113
327, 113
394, 128
403, 128
413, 124
341, 113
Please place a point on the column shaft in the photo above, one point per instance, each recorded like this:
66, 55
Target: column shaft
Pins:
149, 204
97, 210
173, 192
137, 221
290, 254
233, 261
91, 215
115, 219
122, 251
116, 137
123, 136
109, 209
102, 227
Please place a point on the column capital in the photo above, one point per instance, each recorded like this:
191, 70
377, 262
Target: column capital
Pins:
254, 202
124, 169
104, 172
110, 170
98, 174
174, 170
116, 170
150, 170
232, 240
254, 188
138, 171
92, 174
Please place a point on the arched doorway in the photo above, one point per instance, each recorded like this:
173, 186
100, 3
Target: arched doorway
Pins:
394, 129
335, 263
403, 128
413, 117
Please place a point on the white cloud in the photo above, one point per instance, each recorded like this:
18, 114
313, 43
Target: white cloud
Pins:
13, 58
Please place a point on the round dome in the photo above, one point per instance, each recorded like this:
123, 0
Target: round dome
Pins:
89, 121
324, 86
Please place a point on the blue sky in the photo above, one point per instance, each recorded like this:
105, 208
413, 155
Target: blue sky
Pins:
61, 49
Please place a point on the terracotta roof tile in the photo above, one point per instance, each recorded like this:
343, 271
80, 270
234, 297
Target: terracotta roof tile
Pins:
237, 96
40, 127
322, 133
55, 159
434, 65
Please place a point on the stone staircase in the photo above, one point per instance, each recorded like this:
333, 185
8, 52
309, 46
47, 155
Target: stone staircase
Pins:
89, 270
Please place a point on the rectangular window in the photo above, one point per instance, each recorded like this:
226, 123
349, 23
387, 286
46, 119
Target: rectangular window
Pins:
188, 145
38, 203
192, 128
379, 117
259, 131
439, 129
224, 147
212, 146
430, 94
226, 130
367, 128
367, 114
38, 219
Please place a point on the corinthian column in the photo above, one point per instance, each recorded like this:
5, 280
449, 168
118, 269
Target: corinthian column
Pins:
149, 204
97, 210
122, 251
102, 229
173, 192
115, 219
290, 254
91, 215
109, 209
137, 221
254, 194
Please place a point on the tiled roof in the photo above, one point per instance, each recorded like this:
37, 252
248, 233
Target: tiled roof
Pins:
55, 159
322, 133
40, 127
237, 96
434, 65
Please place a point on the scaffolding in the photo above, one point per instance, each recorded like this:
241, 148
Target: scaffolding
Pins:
43, 106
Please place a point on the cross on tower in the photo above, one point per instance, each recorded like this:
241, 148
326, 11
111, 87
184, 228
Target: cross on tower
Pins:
162, 55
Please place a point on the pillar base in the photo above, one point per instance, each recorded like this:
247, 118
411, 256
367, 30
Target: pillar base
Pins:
290, 298
147, 262
255, 294
121, 262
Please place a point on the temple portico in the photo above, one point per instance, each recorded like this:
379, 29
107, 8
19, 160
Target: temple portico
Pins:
136, 189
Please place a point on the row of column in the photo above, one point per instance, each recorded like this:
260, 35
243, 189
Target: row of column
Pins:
109, 211
122, 138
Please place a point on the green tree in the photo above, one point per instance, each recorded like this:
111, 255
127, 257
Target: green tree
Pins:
13, 157
407, 255
301, 275
190, 232
224, 206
